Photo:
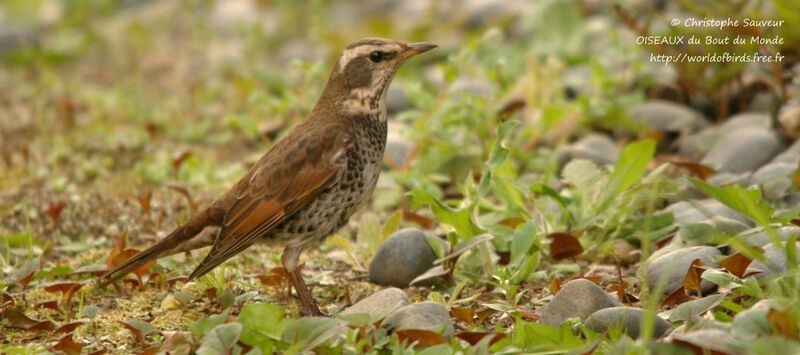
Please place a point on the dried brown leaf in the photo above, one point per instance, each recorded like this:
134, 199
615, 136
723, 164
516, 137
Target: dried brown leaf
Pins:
564, 245
179, 159
695, 169
422, 338
691, 282
555, 286
475, 337
67, 289
423, 221
144, 201
464, 314
676, 296
783, 324
52, 304
66, 345
70, 327
54, 211
139, 328
14, 318
736, 264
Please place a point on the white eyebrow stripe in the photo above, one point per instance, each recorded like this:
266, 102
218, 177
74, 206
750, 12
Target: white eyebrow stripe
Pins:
351, 53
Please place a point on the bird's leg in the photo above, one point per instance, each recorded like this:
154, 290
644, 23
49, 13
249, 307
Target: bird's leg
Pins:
289, 259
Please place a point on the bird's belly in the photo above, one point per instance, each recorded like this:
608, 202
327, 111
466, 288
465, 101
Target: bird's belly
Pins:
329, 212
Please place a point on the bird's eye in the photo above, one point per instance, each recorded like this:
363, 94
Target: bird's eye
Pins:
376, 56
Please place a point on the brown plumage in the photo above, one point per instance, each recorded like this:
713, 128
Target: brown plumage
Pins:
309, 183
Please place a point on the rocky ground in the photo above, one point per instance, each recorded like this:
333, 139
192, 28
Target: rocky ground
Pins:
546, 187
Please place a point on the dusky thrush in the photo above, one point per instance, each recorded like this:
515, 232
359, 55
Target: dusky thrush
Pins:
309, 183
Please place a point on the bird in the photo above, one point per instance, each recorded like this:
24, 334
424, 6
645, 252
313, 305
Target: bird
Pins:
309, 183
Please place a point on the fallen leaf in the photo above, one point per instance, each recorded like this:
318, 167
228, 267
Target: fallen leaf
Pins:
423, 221
23, 276
139, 328
483, 313
675, 297
6, 299
564, 245
179, 159
54, 211
691, 282
696, 169
555, 286
782, 323
14, 318
421, 338
66, 345
67, 289
70, 327
144, 201
474, 337
172, 280
118, 247
432, 273
52, 304
464, 314
529, 316
736, 264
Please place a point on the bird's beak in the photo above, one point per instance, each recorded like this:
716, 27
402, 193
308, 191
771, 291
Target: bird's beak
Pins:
416, 48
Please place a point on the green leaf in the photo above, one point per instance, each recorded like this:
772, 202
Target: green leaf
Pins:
459, 218
631, 165
522, 242
306, 333
204, 325
221, 340
391, 224
257, 331
499, 151
748, 202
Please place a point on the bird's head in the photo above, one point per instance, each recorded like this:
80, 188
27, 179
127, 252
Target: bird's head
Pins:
364, 70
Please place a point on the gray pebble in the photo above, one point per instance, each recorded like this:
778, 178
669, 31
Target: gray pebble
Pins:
577, 298
629, 318
405, 255
387, 298
426, 315
673, 267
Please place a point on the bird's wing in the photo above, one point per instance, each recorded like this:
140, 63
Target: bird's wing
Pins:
285, 180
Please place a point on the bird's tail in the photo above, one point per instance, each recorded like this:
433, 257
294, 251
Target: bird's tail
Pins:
177, 241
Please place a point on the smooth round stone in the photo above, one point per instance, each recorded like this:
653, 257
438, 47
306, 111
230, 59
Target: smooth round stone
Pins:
772, 171
596, 148
629, 318
751, 323
577, 298
405, 255
746, 120
667, 116
704, 232
789, 119
698, 144
686, 212
381, 300
774, 263
743, 150
674, 265
715, 340
791, 155
426, 315
758, 237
